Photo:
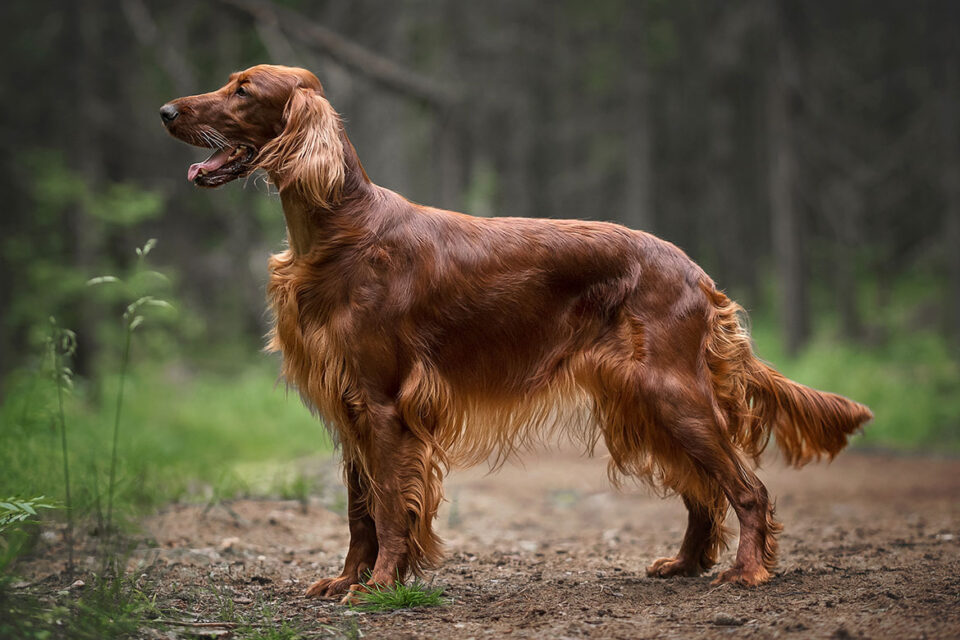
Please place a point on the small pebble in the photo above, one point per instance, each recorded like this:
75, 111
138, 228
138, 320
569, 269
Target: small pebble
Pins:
726, 620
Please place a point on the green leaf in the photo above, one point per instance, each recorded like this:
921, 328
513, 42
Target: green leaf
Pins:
139, 302
102, 280
156, 274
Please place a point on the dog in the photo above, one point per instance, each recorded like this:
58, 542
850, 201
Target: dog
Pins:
430, 339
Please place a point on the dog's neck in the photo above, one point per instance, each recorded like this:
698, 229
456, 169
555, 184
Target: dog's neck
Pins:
310, 225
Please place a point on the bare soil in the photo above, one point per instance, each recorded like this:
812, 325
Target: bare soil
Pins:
546, 549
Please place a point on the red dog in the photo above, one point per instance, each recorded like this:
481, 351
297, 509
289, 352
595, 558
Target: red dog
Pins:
428, 339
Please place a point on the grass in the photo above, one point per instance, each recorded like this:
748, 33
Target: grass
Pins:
113, 606
257, 624
399, 596
186, 437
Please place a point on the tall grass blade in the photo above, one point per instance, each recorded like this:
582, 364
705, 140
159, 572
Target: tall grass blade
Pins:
58, 342
116, 425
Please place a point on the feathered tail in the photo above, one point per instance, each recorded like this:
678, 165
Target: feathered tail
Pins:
758, 401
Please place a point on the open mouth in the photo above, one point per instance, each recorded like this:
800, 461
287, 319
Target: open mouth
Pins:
222, 166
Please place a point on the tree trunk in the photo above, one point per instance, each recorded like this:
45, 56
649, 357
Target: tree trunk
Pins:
843, 205
949, 108
88, 158
787, 225
638, 137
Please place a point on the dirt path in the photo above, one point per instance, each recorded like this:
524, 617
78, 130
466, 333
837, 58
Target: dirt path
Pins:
871, 549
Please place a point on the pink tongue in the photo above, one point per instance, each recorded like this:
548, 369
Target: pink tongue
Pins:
214, 162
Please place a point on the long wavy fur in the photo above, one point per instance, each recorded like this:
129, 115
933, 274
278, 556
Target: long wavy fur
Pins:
759, 401
308, 154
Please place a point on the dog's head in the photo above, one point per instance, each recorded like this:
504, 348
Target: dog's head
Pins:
269, 117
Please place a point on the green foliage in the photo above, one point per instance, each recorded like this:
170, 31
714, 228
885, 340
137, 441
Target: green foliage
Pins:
19, 511
139, 289
56, 188
62, 345
125, 204
132, 318
399, 596
191, 436
16, 515
111, 606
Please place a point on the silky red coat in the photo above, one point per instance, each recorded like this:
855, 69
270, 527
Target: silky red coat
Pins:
427, 339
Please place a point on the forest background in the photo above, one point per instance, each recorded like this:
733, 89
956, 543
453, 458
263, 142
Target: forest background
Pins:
806, 154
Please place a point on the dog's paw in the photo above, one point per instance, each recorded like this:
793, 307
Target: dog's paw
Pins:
742, 576
329, 587
667, 567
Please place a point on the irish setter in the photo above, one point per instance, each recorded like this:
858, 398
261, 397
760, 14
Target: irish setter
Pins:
429, 339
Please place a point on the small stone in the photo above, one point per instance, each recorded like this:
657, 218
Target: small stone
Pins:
726, 620
228, 544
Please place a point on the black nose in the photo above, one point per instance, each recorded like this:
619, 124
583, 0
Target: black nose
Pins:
168, 113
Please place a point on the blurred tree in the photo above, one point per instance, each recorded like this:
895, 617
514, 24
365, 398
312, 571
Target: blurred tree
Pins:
788, 227
783, 144
947, 64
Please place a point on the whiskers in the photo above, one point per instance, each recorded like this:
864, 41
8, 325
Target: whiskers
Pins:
212, 138
261, 181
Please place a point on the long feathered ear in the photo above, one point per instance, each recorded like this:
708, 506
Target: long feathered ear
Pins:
308, 154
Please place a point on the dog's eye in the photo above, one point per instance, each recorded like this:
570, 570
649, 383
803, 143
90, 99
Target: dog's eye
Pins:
241, 91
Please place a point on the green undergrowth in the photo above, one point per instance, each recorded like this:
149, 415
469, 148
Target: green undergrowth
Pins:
184, 436
104, 607
399, 596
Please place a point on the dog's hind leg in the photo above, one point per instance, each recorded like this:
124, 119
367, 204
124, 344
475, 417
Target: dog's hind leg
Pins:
362, 552
705, 536
686, 408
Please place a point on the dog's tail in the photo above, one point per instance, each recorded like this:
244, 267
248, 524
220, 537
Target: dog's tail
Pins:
758, 401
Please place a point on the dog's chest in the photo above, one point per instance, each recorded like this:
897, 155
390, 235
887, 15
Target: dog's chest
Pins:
314, 353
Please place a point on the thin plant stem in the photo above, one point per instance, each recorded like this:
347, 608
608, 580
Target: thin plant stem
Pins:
29, 400
63, 445
95, 473
116, 427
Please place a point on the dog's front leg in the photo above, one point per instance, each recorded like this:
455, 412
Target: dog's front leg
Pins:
404, 498
362, 552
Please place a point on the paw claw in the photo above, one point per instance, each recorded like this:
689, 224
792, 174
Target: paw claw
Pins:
329, 587
667, 567
742, 576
